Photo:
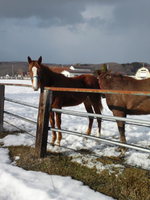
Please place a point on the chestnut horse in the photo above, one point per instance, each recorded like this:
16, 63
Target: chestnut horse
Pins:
124, 104
42, 76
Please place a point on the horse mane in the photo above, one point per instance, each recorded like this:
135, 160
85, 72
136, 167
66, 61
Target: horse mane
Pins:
115, 74
47, 70
124, 77
49, 77
104, 74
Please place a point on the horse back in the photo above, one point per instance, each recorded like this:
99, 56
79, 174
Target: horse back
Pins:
130, 104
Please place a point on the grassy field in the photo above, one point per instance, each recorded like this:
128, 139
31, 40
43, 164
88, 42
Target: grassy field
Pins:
128, 183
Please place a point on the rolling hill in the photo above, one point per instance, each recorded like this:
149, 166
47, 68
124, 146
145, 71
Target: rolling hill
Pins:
15, 68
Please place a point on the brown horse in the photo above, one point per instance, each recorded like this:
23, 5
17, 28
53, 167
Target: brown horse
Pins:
42, 76
123, 104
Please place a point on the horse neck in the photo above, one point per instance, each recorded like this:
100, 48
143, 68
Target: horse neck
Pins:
49, 77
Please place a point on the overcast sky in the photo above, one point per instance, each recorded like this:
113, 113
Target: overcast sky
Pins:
75, 31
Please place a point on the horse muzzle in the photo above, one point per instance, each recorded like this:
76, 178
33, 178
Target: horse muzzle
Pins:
35, 83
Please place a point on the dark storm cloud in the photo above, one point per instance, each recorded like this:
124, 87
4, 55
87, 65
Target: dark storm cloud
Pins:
50, 12
68, 31
131, 14
53, 11
69, 12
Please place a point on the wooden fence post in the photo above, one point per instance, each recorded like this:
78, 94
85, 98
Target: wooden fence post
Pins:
42, 123
2, 93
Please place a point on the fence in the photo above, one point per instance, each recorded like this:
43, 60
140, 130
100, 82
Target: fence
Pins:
43, 116
3, 98
44, 107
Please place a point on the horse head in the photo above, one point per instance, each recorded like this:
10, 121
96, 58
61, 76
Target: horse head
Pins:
104, 79
34, 71
109, 80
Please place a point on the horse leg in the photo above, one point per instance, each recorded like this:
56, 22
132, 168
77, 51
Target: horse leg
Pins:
97, 105
98, 111
121, 128
58, 122
52, 122
89, 109
121, 125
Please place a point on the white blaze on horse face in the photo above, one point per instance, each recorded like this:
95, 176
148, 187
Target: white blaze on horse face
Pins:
35, 78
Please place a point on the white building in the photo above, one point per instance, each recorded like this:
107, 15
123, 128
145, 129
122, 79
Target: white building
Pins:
79, 70
142, 73
7, 76
66, 73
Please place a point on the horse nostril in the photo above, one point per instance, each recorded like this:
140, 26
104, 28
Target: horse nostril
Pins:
35, 83
35, 86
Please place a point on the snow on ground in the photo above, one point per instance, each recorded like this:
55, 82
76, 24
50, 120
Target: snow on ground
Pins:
42, 186
17, 183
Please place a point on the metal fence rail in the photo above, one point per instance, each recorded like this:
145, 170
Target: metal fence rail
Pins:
104, 117
138, 93
16, 84
20, 117
3, 98
138, 122
21, 103
103, 140
43, 115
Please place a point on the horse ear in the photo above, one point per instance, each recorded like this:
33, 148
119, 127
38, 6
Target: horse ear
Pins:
29, 60
40, 60
98, 72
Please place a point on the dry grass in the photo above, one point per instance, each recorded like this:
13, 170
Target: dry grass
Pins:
131, 183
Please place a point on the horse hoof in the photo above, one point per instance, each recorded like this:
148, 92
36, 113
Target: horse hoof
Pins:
52, 144
58, 143
98, 134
